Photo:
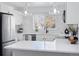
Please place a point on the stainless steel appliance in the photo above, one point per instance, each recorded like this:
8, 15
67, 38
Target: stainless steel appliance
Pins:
5, 19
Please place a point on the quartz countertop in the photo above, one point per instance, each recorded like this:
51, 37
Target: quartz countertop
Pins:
58, 45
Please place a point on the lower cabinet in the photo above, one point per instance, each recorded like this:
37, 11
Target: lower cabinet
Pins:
40, 53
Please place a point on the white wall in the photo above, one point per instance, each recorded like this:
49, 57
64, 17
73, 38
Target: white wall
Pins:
28, 24
72, 13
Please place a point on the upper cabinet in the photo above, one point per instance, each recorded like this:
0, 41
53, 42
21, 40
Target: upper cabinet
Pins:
5, 8
17, 16
72, 13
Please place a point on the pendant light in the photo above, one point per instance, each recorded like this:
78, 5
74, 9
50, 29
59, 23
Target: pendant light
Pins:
25, 12
25, 9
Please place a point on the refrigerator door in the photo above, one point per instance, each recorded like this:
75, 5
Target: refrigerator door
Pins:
6, 28
7, 33
0, 35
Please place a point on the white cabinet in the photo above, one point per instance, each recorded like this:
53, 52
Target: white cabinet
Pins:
72, 13
17, 19
17, 16
5, 8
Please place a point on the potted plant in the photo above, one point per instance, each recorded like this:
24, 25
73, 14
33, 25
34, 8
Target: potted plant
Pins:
72, 38
72, 29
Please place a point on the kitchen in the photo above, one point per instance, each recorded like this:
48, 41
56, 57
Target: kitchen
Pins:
39, 28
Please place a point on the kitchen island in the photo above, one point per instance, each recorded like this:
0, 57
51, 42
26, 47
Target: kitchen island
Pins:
58, 47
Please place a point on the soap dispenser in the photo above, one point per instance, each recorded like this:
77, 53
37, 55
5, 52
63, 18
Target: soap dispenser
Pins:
67, 33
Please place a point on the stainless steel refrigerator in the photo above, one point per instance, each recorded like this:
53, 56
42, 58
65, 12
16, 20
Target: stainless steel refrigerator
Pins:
5, 34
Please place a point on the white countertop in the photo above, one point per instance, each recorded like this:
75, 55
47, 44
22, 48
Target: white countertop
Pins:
58, 45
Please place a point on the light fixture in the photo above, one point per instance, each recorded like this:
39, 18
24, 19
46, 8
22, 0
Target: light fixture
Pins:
55, 11
25, 12
25, 9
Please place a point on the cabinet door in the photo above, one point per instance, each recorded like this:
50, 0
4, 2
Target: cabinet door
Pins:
72, 13
16, 19
5, 8
6, 28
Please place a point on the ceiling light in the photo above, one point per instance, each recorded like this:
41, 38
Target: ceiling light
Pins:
25, 12
25, 9
55, 11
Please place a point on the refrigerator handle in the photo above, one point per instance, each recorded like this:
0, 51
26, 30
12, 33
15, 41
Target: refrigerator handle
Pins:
8, 41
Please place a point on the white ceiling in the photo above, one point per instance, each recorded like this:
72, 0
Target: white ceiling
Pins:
35, 5
22, 4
